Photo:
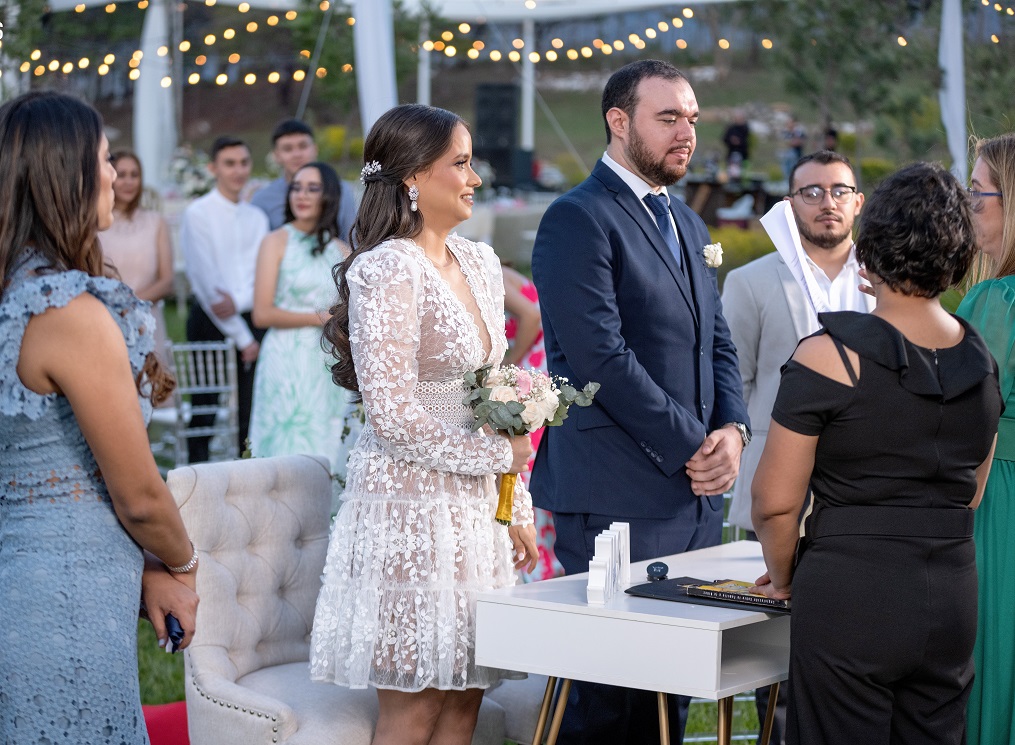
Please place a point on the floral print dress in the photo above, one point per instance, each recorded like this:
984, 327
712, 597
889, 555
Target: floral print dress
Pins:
415, 539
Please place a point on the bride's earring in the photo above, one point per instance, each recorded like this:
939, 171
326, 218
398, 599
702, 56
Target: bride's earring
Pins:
413, 197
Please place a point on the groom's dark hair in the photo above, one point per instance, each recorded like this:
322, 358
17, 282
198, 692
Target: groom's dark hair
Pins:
621, 91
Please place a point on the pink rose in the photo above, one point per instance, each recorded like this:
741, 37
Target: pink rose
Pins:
523, 381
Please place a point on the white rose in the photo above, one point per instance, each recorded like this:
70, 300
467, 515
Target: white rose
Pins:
503, 393
549, 407
495, 377
533, 415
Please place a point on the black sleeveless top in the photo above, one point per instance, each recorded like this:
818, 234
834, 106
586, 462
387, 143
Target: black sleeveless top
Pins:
910, 433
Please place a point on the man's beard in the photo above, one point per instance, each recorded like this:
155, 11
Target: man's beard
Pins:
822, 239
655, 171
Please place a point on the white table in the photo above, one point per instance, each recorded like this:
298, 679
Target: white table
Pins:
668, 647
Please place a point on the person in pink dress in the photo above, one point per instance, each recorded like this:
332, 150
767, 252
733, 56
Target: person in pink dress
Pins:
524, 332
137, 243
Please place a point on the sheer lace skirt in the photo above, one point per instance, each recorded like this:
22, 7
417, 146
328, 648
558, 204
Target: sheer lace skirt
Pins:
409, 550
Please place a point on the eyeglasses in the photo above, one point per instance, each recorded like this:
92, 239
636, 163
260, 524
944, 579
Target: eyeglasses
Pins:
815, 194
976, 197
309, 188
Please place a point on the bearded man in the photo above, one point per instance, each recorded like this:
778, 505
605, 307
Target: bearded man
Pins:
628, 298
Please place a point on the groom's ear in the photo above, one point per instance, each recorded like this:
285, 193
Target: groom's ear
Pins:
618, 121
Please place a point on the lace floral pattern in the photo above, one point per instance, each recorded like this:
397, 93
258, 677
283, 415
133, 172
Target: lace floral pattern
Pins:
415, 539
30, 293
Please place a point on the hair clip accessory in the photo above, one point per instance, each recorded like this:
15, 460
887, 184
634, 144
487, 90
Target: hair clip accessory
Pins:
371, 168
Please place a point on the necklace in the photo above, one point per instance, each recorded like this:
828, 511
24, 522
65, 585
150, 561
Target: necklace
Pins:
446, 264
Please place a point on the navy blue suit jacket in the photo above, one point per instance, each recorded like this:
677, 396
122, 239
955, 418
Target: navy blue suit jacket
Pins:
617, 310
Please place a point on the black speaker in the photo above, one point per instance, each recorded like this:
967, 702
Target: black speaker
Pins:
501, 160
496, 116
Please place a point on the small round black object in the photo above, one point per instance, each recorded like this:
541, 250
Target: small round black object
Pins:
657, 570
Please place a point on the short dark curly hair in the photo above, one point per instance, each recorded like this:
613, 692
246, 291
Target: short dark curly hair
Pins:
916, 231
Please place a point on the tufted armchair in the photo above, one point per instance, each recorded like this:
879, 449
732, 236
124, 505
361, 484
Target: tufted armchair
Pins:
261, 527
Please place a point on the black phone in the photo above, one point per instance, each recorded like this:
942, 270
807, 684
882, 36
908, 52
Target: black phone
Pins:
175, 631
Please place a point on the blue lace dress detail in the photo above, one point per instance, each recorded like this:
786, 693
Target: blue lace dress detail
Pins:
70, 575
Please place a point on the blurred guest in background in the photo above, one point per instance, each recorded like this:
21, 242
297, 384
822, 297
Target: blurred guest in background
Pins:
137, 243
990, 307
293, 146
737, 139
524, 333
220, 236
889, 418
296, 407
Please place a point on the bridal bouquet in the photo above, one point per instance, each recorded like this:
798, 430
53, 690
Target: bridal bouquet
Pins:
514, 401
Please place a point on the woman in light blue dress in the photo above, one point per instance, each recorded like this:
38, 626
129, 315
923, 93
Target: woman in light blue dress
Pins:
80, 494
296, 408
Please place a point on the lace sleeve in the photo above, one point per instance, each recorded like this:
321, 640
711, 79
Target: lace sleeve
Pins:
521, 505
384, 333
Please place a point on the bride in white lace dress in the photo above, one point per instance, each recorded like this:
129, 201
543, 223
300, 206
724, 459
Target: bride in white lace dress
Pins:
415, 538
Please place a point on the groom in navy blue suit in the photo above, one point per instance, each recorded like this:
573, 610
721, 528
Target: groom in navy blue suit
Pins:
629, 300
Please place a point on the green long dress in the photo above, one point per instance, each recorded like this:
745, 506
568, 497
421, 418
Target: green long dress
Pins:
990, 308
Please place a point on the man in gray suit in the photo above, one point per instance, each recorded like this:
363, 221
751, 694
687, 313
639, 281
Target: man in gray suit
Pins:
769, 309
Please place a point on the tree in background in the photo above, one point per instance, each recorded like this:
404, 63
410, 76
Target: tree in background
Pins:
845, 56
334, 93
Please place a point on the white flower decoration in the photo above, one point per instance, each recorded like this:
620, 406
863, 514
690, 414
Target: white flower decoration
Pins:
713, 255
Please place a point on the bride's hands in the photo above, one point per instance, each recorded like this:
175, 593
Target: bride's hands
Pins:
523, 538
521, 451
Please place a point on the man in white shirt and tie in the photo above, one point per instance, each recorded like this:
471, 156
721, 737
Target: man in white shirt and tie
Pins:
769, 307
220, 237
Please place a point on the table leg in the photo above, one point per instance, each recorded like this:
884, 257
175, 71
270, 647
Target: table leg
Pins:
558, 713
544, 711
664, 720
725, 721
766, 732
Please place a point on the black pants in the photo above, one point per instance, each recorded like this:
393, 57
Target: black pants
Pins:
762, 695
599, 714
200, 328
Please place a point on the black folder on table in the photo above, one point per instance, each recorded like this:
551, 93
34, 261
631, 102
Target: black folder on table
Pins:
677, 589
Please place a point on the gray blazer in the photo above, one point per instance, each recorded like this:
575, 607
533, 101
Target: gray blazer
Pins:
767, 315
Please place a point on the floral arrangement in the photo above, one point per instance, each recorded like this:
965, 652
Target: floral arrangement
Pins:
713, 255
189, 169
514, 401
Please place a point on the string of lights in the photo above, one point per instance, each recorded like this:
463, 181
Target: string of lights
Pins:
448, 42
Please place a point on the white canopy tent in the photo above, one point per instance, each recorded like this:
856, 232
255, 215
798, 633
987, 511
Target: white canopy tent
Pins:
155, 107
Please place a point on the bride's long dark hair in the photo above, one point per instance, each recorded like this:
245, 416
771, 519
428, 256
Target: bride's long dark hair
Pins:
405, 141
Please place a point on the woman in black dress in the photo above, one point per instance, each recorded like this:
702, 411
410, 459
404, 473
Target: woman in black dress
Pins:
889, 419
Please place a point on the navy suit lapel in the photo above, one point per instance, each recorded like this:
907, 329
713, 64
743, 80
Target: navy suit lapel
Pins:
626, 199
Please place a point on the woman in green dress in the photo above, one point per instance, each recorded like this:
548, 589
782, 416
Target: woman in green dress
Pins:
990, 308
296, 407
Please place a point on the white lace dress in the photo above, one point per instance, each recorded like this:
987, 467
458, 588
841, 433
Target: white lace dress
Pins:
415, 538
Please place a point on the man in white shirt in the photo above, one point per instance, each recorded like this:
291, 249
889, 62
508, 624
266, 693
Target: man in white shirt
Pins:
220, 237
769, 310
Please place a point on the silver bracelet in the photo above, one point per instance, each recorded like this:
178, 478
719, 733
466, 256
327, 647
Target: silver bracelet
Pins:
189, 566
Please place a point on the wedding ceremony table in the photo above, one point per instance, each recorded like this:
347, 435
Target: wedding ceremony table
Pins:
549, 628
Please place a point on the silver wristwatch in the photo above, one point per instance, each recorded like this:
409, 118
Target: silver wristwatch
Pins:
745, 433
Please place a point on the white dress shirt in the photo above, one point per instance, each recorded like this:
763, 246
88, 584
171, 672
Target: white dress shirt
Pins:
842, 292
220, 240
641, 189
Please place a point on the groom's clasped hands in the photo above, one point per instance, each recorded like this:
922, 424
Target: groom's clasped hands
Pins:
715, 465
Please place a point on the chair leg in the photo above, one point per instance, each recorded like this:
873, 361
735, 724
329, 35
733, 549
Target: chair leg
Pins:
558, 713
544, 711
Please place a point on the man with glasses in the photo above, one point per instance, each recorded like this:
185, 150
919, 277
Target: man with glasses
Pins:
769, 310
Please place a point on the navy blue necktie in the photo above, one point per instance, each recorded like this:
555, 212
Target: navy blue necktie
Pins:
660, 207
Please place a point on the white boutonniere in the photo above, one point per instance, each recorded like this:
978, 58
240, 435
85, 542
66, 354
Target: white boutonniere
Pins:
713, 255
